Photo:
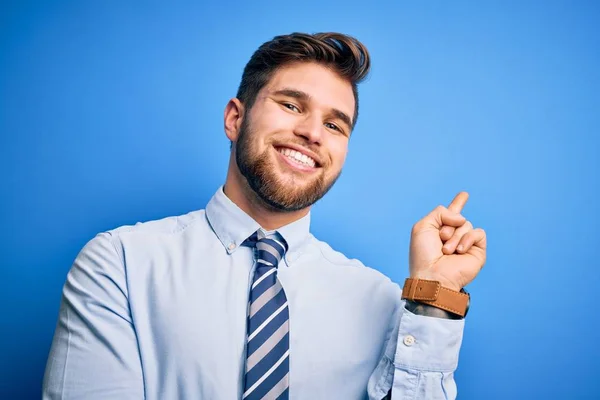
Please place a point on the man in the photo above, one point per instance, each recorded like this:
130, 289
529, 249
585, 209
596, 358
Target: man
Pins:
239, 300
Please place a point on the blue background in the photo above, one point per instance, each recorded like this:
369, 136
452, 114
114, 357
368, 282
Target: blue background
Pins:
111, 113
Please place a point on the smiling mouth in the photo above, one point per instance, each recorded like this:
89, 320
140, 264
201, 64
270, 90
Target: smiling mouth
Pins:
297, 157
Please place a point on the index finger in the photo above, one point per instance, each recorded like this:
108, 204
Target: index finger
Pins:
459, 202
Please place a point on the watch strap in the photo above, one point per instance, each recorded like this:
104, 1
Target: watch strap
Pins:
434, 294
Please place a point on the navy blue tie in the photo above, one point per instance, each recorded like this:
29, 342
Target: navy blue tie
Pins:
268, 345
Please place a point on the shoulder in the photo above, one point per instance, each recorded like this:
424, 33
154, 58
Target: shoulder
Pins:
339, 260
351, 272
333, 256
147, 236
164, 226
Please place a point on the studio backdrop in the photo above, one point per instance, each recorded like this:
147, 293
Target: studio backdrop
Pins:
111, 113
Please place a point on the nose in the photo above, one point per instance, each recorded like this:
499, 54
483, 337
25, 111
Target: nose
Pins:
310, 128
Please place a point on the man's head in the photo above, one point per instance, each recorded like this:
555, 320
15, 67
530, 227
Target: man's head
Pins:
295, 109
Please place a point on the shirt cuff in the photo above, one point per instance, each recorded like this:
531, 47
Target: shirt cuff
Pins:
428, 343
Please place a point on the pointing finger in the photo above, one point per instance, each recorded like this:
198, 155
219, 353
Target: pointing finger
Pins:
459, 202
456, 206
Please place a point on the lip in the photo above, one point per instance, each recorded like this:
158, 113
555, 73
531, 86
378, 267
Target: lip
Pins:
292, 164
302, 150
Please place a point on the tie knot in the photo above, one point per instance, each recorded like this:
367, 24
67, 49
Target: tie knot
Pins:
270, 250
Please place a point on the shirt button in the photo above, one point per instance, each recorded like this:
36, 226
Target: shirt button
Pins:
409, 340
231, 246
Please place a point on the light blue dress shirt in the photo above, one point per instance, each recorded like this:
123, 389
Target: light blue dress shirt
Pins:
158, 311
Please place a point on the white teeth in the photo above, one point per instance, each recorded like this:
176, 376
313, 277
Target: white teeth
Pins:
298, 157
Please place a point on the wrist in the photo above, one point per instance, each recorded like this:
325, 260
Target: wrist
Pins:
432, 293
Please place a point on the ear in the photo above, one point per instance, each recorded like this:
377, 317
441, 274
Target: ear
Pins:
234, 114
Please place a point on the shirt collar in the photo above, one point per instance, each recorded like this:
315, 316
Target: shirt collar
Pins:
232, 226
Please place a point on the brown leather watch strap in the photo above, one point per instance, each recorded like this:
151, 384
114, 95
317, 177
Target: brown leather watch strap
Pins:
434, 294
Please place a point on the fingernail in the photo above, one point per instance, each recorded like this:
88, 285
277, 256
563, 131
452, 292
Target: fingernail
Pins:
460, 247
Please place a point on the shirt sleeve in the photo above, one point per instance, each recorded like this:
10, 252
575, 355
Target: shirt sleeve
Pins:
94, 352
420, 358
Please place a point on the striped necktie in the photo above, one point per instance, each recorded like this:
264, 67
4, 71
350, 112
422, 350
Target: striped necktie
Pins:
268, 344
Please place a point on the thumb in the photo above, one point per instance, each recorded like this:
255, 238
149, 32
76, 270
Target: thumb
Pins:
442, 216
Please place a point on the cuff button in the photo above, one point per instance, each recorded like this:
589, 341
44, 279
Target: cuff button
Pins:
409, 340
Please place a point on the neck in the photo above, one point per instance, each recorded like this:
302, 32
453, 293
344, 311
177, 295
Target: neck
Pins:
236, 188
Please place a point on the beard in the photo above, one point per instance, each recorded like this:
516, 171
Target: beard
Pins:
260, 173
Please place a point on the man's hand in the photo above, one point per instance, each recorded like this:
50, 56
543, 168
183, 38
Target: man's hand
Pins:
444, 246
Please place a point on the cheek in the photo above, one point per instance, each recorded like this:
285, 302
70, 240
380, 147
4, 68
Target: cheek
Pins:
338, 150
273, 119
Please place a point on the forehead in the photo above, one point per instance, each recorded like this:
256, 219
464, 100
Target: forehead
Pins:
325, 87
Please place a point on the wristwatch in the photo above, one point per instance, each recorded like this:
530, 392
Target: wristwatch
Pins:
434, 294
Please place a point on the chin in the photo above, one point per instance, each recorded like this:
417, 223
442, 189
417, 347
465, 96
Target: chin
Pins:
295, 183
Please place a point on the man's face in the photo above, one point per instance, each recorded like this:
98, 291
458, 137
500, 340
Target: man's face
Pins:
293, 142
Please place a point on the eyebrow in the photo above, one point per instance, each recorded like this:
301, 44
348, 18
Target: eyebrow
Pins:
303, 96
